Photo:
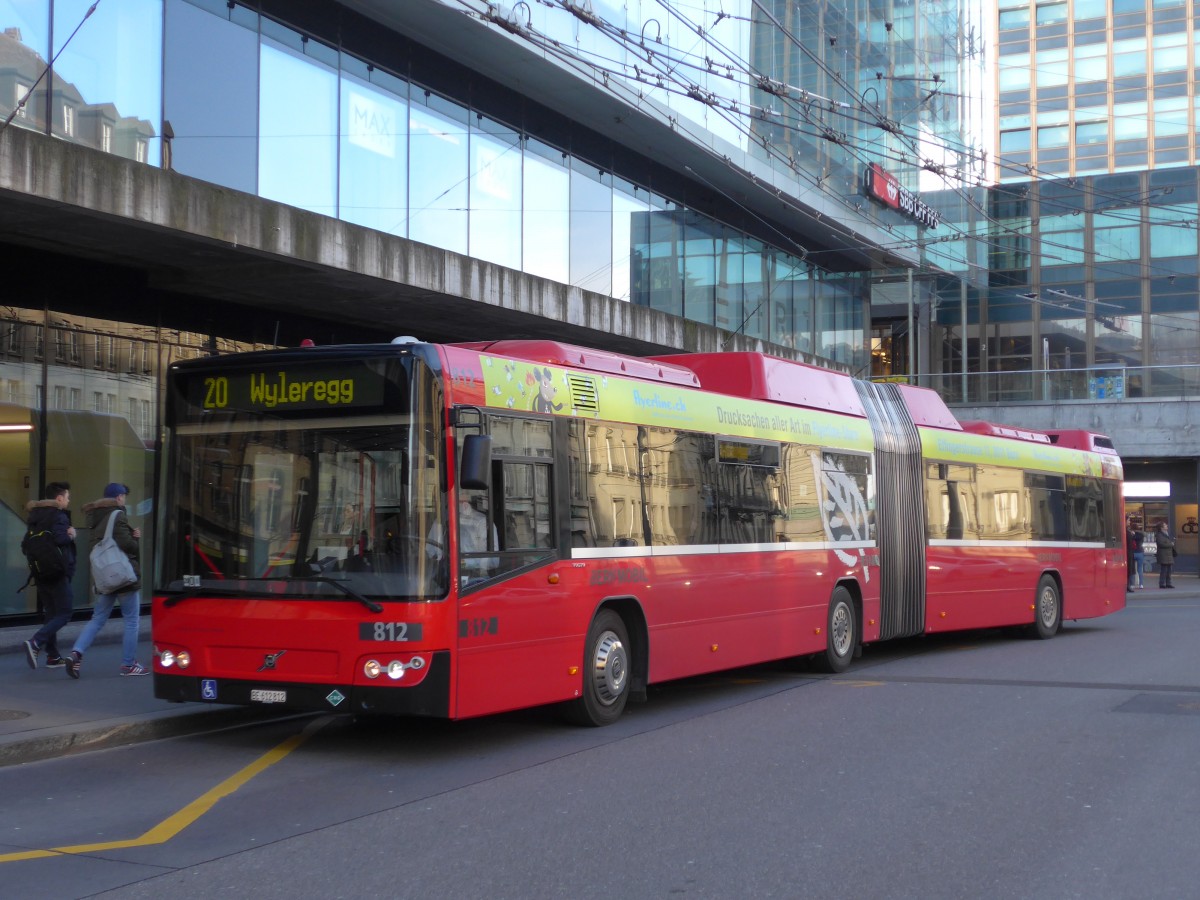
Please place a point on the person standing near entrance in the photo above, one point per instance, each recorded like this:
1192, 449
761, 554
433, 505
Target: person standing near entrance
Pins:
1136, 552
1166, 556
129, 596
54, 597
1130, 547
1139, 557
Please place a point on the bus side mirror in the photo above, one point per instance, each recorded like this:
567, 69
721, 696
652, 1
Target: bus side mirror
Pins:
475, 467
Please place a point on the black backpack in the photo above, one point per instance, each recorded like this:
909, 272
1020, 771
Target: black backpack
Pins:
46, 563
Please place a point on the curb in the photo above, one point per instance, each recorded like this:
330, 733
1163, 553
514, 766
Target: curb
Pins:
69, 740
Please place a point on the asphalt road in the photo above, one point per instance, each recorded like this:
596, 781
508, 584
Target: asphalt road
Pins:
966, 766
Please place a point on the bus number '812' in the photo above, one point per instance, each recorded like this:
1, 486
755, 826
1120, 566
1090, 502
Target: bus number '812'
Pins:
391, 632
216, 393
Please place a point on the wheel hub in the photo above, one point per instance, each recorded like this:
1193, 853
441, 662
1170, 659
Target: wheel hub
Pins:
1048, 607
609, 668
840, 631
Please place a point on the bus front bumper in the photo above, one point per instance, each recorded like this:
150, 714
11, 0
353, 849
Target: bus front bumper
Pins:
431, 697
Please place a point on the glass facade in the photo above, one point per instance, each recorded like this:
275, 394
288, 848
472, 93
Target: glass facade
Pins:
1095, 87
79, 401
241, 100
1089, 278
1094, 275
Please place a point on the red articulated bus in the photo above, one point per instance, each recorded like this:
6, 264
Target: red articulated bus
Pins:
458, 530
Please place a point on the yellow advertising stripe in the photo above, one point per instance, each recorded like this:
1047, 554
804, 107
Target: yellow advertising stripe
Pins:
965, 447
514, 384
173, 824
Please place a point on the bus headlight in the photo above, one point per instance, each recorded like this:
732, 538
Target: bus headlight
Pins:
371, 668
168, 658
396, 668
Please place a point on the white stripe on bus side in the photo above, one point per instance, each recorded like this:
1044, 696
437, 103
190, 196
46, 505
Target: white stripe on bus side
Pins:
715, 549
1062, 545
823, 546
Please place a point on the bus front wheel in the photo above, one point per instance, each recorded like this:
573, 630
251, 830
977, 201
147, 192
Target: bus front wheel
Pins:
1047, 612
605, 673
841, 633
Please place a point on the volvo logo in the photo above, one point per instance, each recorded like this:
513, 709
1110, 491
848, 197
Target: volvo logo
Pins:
270, 659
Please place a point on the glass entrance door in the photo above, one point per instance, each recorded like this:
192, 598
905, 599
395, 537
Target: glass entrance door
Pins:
1145, 516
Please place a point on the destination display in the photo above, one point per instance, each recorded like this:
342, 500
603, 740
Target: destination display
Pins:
283, 389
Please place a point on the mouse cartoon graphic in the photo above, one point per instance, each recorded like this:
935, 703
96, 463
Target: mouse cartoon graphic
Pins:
543, 400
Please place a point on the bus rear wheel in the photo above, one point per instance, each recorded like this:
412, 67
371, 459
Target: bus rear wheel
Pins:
841, 633
1047, 612
605, 673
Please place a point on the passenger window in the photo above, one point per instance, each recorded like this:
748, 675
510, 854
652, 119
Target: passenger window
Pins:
528, 523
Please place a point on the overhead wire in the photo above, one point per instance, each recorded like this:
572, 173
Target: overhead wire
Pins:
49, 67
1132, 219
669, 83
1046, 242
1001, 226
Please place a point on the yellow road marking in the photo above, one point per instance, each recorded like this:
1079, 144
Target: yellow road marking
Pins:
173, 824
858, 684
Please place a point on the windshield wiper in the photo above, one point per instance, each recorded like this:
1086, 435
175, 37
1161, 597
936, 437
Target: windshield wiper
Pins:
226, 592
192, 593
341, 586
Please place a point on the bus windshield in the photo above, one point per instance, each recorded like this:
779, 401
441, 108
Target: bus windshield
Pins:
320, 498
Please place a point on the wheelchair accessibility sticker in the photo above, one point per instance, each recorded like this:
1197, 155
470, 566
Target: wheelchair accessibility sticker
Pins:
208, 689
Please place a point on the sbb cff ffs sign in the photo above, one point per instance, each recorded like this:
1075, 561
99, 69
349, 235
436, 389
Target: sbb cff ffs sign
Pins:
884, 188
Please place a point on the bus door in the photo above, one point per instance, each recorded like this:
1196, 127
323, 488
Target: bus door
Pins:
510, 618
1113, 527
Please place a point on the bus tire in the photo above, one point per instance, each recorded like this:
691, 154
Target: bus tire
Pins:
1047, 610
841, 633
606, 673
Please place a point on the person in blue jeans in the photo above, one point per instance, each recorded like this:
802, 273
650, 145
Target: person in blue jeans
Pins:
1136, 552
130, 598
55, 597
1139, 558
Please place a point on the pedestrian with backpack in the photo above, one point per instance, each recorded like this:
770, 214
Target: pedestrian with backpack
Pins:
49, 545
108, 518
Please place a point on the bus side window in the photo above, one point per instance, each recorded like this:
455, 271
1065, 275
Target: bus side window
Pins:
521, 492
528, 517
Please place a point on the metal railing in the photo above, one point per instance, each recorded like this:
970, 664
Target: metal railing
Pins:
1099, 384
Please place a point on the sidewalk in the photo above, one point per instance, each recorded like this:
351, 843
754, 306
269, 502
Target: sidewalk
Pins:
45, 714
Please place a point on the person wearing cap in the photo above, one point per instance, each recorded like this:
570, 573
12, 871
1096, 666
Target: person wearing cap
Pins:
130, 598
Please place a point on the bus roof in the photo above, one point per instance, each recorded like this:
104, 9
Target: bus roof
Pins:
757, 376
1071, 439
1078, 439
994, 430
927, 408
554, 353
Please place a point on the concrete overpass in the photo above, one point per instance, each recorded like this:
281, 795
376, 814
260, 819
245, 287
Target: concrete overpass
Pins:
145, 238
138, 239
